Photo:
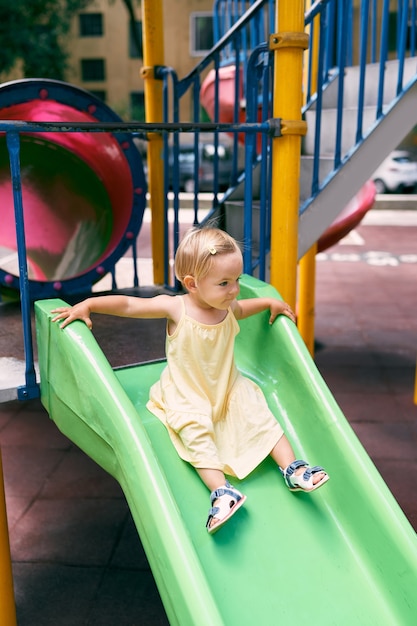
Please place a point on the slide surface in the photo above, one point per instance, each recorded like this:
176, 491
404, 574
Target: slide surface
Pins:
343, 555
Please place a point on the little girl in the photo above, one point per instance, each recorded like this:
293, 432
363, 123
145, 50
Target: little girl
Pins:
217, 419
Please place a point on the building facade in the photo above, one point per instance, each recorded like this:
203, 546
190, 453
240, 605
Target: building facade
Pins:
105, 59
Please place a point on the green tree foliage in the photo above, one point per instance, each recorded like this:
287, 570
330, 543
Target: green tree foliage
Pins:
32, 31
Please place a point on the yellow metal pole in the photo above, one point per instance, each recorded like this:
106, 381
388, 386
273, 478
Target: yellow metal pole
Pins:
7, 605
153, 55
288, 44
307, 273
307, 297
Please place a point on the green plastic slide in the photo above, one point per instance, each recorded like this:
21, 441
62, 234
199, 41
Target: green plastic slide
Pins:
344, 555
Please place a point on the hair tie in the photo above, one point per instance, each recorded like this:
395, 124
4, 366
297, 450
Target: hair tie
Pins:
212, 250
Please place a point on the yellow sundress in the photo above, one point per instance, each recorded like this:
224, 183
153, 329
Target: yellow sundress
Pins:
216, 417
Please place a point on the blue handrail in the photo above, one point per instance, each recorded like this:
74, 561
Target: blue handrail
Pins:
383, 31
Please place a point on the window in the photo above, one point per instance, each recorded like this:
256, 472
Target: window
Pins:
201, 33
137, 106
99, 93
91, 24
93, 69
134, 52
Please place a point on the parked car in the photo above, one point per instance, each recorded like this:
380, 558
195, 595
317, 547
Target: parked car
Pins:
209, 159
397, 173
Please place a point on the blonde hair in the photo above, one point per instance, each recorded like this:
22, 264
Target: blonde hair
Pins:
197, 250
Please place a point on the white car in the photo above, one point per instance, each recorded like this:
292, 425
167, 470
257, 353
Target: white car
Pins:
397, 173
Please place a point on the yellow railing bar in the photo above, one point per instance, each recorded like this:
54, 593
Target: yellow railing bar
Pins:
7, 605
307, 297
288, 45
307, 267
153, 55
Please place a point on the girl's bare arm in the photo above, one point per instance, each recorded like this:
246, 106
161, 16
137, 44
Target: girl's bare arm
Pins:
162, 306
251, 306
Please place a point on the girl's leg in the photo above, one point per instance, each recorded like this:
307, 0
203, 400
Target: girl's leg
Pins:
282, 453
212, 478
199, 437
228, 502
283, 456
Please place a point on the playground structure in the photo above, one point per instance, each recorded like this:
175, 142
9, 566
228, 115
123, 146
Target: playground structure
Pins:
285, 149
84, 193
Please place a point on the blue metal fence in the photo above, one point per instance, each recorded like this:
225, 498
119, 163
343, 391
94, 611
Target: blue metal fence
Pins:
343, 33
356, 34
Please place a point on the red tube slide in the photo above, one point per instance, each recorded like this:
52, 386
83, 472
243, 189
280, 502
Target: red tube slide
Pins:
84, 194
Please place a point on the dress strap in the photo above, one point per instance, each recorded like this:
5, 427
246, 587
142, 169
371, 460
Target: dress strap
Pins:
180, 321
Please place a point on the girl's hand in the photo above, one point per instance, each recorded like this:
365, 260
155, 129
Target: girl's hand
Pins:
278, 307
69, 314
250, 306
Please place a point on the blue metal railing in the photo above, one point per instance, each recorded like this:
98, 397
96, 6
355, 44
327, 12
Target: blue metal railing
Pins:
30, 389
245, 28
343, 34
384, 32
12, 130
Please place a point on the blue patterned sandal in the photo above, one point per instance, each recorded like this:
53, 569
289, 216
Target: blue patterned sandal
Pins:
304, 480
229, 500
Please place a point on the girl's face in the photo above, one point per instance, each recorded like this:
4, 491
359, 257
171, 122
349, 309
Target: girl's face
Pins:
220, 286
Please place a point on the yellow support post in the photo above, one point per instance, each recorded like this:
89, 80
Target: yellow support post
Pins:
153, 55
288, 44
7, 605
307, 273
307, 297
